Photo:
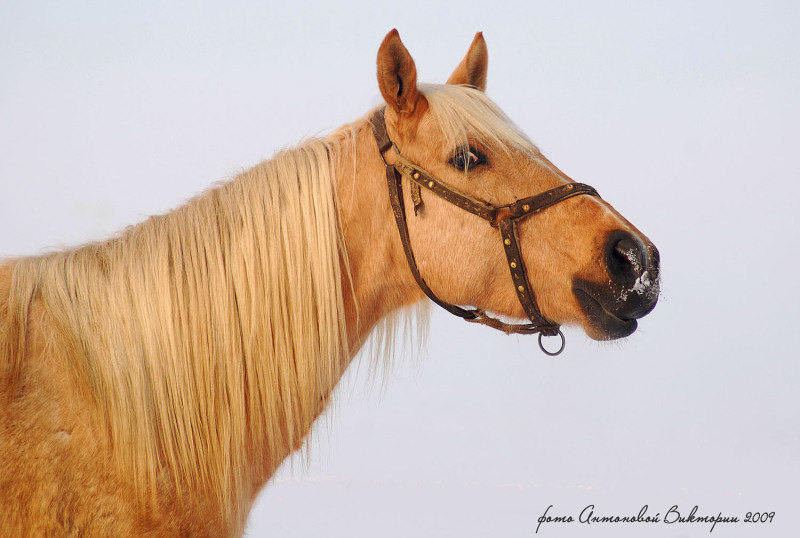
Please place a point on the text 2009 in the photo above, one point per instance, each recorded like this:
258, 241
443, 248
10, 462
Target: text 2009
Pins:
759, 517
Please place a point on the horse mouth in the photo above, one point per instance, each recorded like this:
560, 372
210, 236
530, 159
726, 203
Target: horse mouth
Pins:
608, 325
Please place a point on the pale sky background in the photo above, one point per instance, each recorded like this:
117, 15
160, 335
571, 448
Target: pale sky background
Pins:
685, 117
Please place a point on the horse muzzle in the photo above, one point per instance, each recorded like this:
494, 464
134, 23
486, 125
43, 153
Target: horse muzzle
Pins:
629, 292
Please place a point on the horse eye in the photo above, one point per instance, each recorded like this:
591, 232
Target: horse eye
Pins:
467, 158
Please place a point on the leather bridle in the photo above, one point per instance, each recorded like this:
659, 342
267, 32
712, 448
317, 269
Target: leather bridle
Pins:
504, 217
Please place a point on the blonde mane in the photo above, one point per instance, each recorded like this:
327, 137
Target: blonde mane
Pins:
187, 325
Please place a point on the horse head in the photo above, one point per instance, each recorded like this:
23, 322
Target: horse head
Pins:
583, 262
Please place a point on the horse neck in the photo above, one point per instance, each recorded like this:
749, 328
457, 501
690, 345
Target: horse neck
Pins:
378, 281
375, 278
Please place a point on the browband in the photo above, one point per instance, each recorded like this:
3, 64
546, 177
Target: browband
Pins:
503, 217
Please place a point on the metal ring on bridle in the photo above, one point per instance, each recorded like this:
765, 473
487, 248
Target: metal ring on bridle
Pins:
560, 349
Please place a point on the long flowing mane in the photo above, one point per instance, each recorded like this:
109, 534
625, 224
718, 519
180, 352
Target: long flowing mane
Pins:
245, 281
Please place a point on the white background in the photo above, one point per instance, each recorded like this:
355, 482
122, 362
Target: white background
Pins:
684, 115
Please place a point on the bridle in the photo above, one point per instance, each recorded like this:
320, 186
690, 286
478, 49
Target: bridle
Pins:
503, 217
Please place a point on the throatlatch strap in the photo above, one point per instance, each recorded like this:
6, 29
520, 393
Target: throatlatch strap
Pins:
394, 181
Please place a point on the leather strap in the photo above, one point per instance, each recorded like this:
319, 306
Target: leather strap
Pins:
508, 233
485, 210
394, 181
504, 217
536, 203
466, 202
378, 122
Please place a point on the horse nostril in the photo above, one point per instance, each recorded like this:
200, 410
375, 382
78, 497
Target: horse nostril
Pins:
625, 258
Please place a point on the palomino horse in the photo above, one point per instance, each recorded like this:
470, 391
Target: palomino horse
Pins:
151, 384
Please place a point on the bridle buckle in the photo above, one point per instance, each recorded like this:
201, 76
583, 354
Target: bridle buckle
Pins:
380, 153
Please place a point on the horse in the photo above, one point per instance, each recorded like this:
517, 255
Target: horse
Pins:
152, 383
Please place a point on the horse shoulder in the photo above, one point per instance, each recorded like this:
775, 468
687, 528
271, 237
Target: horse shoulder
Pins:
57, 473
52, 448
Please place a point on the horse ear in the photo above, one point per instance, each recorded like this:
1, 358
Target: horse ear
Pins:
397, 74
472, 69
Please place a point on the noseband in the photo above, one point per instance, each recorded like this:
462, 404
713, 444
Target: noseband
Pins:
503, 217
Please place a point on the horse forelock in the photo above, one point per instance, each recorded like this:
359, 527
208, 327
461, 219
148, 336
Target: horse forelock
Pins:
463, 112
